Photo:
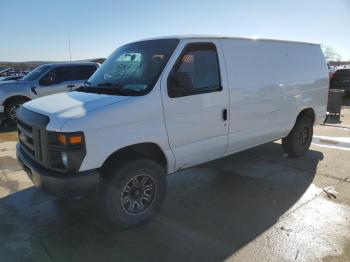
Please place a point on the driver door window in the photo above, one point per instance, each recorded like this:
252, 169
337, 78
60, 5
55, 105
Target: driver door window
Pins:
196, 71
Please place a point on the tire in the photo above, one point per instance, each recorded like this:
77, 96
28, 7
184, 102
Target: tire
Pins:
130, 186
299, 139
11, 109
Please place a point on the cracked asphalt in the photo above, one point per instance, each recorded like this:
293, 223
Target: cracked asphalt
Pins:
257, 205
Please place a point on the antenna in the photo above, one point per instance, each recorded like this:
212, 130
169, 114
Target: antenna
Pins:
70, 53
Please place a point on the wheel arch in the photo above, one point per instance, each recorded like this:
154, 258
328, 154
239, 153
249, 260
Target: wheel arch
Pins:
12, 98
307, 112
146, 149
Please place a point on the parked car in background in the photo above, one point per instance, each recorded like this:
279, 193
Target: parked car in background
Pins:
158, 106
331, 70
9, 78
341, 80
4, 71
44, 80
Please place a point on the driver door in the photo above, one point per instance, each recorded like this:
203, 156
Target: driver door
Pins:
57, 80
196, 110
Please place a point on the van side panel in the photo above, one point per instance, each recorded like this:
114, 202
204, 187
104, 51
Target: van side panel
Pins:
270, 83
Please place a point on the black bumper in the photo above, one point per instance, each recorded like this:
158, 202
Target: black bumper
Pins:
345, 88
57, 183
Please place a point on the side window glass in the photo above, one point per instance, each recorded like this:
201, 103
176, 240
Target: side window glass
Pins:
50, 78
63, 74
342, 73
196, 71
74, 72
82, 72
86, 71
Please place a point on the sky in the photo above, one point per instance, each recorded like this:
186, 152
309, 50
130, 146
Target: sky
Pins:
39, 29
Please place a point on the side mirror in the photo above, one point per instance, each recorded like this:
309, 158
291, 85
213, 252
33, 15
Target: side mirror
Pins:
180, 84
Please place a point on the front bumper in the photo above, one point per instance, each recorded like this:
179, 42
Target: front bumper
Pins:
57, 183
345, 88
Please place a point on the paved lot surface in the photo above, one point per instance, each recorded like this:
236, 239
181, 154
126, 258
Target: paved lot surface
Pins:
257, 205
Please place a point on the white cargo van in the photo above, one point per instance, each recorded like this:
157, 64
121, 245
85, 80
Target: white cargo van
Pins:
160, 105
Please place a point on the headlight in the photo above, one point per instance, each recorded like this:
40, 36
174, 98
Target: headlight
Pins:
66, 151
64, 159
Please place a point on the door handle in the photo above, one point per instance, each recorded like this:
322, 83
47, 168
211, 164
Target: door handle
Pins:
224, 114
70, 86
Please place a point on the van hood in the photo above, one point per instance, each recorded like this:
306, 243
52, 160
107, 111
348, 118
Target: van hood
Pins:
65, 106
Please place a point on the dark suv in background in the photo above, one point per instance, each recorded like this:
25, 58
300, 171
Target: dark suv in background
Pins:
341, 80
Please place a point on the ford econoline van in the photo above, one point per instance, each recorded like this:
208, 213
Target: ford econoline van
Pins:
161, 105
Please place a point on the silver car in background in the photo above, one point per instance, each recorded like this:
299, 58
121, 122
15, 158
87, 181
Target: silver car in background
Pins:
45, 80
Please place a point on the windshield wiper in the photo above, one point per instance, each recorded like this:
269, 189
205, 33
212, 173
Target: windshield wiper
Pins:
116, 85
119, 88
113, 87
102, 88
109, 89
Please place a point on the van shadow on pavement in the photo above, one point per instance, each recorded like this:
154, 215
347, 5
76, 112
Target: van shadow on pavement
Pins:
211, 211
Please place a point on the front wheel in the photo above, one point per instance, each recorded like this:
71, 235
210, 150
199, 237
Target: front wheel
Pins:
299, 139
135, 192
12, 107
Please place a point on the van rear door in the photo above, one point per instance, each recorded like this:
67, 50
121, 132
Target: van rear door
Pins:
195, 99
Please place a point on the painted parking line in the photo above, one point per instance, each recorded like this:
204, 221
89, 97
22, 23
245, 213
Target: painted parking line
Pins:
342, 143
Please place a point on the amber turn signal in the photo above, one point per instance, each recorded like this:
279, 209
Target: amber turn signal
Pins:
75, 139
71, 140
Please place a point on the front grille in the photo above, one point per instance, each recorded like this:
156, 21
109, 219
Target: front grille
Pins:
25, 135
32, 134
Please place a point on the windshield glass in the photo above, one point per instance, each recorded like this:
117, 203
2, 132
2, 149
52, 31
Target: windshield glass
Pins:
342, 73
33, 75
133, 69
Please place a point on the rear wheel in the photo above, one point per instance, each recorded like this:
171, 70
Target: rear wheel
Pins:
135, 192
11, 109
299, 139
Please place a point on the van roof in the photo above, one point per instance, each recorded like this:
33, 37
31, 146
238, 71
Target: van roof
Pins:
225, 37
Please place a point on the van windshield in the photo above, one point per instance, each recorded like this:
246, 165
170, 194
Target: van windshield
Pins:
132, 69
37, 72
